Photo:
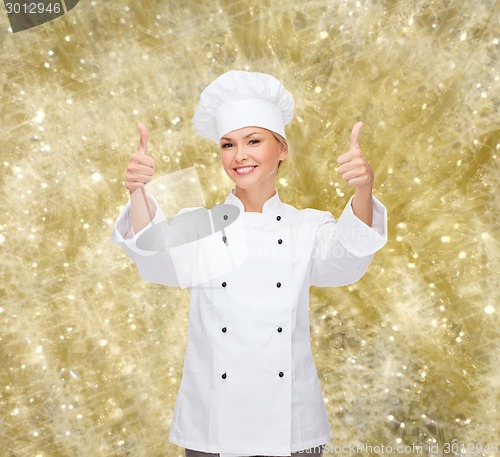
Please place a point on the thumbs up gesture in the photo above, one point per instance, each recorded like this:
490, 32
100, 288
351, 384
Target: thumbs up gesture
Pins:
140, 168
353, 166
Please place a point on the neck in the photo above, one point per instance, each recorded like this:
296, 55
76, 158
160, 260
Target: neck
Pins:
253, 199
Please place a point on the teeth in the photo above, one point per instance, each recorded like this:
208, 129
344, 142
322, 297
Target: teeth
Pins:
244, 170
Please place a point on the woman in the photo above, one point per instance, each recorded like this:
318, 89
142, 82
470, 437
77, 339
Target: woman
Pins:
249, 385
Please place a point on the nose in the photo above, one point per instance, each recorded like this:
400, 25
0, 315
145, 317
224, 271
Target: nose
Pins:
240, 154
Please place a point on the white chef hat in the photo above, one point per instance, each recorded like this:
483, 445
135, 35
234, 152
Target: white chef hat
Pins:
238, 99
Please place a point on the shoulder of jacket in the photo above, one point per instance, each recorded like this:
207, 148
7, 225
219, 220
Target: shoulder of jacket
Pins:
310, 215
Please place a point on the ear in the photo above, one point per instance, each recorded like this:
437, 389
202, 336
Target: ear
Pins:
283, 151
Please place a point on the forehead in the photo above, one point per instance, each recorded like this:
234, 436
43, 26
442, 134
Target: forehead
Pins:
244, 131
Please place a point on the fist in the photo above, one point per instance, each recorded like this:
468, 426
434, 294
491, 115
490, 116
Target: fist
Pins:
140, 168
353, 166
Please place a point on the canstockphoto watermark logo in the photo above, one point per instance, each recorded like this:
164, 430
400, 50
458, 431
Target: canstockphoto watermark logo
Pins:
25, 15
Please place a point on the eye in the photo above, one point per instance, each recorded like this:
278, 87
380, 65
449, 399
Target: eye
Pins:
226, 145
256, 141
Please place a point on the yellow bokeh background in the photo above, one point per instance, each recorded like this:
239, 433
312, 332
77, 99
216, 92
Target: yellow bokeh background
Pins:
91, 356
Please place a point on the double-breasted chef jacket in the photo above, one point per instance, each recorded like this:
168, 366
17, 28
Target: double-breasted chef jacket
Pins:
249, 383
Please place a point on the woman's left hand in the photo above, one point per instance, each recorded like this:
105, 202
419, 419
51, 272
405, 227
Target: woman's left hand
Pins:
353, 166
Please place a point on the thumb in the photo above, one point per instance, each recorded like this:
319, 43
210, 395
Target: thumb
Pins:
143, 144
355, 136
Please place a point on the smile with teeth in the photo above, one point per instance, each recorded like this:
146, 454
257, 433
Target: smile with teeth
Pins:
245, 170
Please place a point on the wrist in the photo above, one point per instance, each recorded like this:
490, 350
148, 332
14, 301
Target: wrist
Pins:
364, 190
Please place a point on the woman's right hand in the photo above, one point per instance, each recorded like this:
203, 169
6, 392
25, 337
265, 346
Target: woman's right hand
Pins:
140, 168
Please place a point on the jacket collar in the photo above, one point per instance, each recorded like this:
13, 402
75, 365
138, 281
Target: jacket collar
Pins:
272, 206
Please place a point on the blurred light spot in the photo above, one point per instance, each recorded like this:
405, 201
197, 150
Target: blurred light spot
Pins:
485, 236
323, 35
445, 239
40, 116
96, 177
463, 36
489, 309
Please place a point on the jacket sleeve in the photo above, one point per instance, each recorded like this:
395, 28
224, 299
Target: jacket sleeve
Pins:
154, 266
343, 250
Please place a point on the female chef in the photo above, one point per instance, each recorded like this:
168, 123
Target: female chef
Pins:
249, 383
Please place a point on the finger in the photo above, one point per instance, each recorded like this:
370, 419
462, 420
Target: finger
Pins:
355, 136
348, 156
352, 164
139, 158
139, 178
351, 174
143, 144
139, 170
359, 181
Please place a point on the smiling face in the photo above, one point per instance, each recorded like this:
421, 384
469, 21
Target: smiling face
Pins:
250, 157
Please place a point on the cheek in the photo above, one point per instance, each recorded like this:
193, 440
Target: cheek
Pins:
226, 165
224, 160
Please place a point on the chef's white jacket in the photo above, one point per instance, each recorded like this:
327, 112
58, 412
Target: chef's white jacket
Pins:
249, 383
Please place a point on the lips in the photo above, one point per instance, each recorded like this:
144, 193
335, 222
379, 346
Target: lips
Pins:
245, 170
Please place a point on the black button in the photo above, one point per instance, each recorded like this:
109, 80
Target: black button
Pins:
278, 218
280, 329
278, 284
224, 238
225, 217
281, 374
280, 241
224, 329
223, 375
224, 284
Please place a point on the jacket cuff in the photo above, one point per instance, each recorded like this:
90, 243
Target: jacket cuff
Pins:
359, 238
123, 232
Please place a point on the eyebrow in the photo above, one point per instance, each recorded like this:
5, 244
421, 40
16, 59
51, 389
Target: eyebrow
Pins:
246, 136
